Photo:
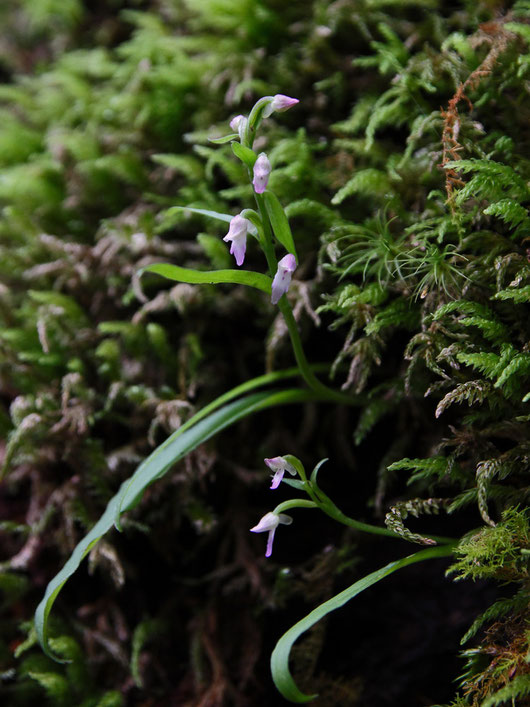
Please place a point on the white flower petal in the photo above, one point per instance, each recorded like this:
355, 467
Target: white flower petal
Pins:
262, 169
237, 235
282, 279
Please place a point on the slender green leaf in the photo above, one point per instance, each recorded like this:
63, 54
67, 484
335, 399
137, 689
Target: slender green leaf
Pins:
206, 212
280, 655
246, 387
295, 483
154, 467
245, 154
198, 277
315, 471
203, 212
279, 222
225, 138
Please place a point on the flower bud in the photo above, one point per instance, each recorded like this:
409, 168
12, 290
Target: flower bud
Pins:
262, 169
239, 124
282, 279
279, 103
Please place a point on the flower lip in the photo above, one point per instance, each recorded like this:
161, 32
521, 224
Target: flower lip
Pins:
268, 524
279, 465
237, 235
262, 169
270, 521
282, 279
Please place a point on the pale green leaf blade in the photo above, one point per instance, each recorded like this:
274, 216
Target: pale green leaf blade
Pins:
246, 387
315, 471
280, 655
174, 448
294, 483
245, 154
279, 222
222, 140
42, 612
154, 467
199, 277
206, 212
203, 212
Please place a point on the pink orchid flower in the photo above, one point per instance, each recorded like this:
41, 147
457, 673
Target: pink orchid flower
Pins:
282, 279
268, 524
279, 466
262, 169
237, 234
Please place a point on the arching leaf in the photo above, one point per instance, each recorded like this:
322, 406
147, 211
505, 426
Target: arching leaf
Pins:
180, 443
280, 655
199, 277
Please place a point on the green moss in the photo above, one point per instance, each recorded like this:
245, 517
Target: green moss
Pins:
405, 178
500, 552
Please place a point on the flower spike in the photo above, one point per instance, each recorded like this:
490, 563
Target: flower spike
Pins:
262, 169
237, 234
268, 524
282, 279
279, 466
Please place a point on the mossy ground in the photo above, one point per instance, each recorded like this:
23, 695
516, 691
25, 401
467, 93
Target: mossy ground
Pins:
404, 171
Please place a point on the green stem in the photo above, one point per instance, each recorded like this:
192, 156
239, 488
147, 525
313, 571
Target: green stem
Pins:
327, 505
268, 247
285, 308
303, 364
294, 503
254, 119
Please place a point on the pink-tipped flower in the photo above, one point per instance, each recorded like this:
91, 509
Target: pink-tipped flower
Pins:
237, 234
268, 524
262, 169
282, 279
279, 103
239, 124
279, 466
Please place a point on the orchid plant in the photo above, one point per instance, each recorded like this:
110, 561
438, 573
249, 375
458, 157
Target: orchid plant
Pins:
269, 225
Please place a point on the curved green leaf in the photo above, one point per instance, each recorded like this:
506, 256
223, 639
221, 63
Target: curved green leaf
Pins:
175, 448
245, 154
247, 386
279, 222
154, 467
199, 277
225, 138
280, 655
203, 212
226, 218
315, 471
